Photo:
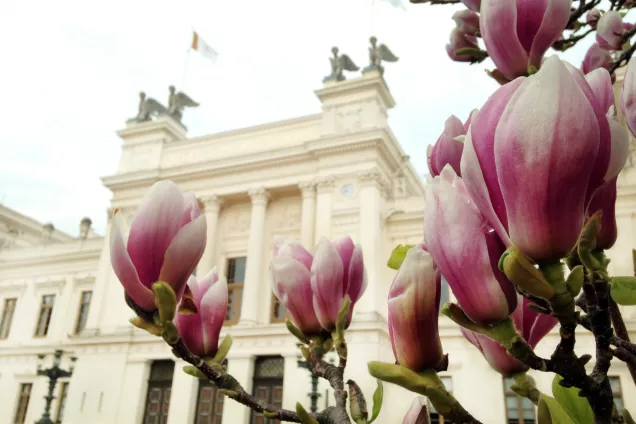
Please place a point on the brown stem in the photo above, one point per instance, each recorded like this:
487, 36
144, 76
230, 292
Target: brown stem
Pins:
626, 54
335, 376
225, 381
621, 333
615, 341
565, 44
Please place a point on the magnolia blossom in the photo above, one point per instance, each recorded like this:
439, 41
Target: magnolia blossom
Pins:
628, 96
414, 310
600, 82
466, 250
596, 57
592, 17
313, 287
517, 33
531, 325
535, 154
417, 407
460, 40
200, 331
609, 31
166, 240
447, 149
467, 21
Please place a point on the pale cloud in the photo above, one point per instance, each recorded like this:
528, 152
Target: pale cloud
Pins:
72, 70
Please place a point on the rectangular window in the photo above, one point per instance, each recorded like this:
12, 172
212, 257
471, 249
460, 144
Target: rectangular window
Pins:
519, 410
7, 317
209, 404
159, 388
435, 417
235, 275
268, 385
617, 392
82, 311
46, 310
23, 403
61, 403
278, 310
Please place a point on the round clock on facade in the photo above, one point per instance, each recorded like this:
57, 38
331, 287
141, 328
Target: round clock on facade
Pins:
347, 190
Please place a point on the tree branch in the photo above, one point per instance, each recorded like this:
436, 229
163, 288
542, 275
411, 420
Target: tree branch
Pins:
621, 333
335, 376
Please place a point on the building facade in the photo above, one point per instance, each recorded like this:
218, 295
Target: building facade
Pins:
339, 172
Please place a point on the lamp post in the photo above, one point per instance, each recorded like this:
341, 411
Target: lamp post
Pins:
54, 373
313, 395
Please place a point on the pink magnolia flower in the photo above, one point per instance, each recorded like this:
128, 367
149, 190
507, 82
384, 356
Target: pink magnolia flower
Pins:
417, 407
592, 17
414, 310
517, 33
535, 154
596, 57
600, 82
447, 150
466, 250
531, 325
467, 21
472, 4
200, 331
609, 31
628, 96
167, 238
312, 288
460, 40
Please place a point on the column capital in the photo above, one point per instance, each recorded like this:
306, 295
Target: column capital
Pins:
371, 177
308, 189
258, 195
325, 184
211, 203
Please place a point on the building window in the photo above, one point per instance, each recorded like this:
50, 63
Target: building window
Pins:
435, 417
7, 317
615, 382
209, 403
23, 403
278, 310
61, 403
519, 410
46, 309
235, 275
158, 397
82, 311
268, 385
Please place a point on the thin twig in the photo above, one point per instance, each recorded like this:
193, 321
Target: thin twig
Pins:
621, 333
626, 54
335, 376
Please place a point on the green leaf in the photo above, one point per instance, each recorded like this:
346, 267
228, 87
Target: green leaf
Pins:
624, 290
377, 401
398, 255
577, 407
551, 412
304, 416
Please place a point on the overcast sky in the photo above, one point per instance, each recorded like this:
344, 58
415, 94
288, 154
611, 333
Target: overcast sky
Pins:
71, 72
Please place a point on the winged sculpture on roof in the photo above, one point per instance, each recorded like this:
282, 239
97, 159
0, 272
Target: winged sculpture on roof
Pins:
379, 53
340, 63
148, 107
177, 102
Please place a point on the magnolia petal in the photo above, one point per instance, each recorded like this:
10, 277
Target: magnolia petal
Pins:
601, 84
619, 150
191, 332
293, 249
553, 21
542, 326
125, 269
203, 285
498, 358
156, 222
327, 274
191, 209
183, 254
356, 275
605, 200
628, 96
212, 311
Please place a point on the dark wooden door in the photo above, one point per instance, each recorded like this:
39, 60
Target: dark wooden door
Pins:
268, 385
209, 404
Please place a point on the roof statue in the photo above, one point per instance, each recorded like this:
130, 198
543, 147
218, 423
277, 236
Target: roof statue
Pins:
379, 53
177, 102
340, 63
148, 107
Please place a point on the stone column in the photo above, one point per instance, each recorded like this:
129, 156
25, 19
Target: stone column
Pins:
212, 206
253, 268
324, 200
370, 236
308, 220
183, 396
241, 368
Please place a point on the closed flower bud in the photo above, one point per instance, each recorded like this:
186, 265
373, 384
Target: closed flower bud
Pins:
592, 17
467, 21
447, 150
466, 250
166, 240
313, 287
600, 82
473, 5
517, 33
414, 310
200, 331
609, 31
596, 57
460, 40
520, 158
628, 96
531, 325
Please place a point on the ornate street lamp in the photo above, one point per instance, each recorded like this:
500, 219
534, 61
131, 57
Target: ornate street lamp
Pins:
54, 373
313, 395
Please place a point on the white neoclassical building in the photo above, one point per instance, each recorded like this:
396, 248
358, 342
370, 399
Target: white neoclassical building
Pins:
340, 171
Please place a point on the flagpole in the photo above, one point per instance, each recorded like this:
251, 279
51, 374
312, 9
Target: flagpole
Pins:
372, 19
185, 71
